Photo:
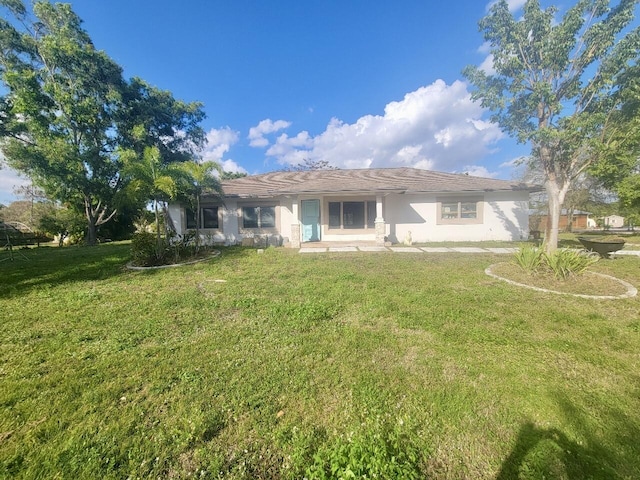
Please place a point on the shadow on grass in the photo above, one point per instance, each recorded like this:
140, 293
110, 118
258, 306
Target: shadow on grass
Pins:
37, 267
53, 266
610, 453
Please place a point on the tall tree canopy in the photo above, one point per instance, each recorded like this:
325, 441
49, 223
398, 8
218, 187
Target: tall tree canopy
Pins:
553, 83
58, 119
69, 114
150, 117
618, 161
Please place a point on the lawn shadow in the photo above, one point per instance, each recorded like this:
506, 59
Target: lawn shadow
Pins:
52, 266
596, 454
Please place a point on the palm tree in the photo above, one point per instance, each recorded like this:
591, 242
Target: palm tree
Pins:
150, 180
200, 178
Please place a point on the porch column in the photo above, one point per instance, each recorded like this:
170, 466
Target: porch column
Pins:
295, 226
381, 229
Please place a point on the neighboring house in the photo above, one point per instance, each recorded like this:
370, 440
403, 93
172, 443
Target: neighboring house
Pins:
579, 220
376, 205
613, 221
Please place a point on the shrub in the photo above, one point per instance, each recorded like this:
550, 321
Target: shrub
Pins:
529, 258
143, 249
562, 262
567, 261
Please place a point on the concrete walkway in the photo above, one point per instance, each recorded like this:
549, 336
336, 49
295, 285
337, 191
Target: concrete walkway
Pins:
370, 248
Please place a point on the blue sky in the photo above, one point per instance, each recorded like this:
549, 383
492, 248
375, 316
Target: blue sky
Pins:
357, 83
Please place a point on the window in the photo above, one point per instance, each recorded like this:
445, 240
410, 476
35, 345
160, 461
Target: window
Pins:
259, 217
191, 218
463, 211
352, 215
208, 218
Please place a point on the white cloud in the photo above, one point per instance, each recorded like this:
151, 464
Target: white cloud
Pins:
487, 65
479, 171
514, 5
436, 127
265, 127
219, 141
232, 166
9, 180
515, 162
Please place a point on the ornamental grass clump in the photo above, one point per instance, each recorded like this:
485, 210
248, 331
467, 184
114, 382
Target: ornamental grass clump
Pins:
562, 263
529, 258
565, 262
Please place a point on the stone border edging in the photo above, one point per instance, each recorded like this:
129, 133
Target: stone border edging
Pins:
214, 254
631, 290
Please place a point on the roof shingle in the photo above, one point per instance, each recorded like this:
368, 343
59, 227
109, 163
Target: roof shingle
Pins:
379, 180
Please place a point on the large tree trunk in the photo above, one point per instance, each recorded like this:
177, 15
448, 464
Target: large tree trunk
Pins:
95, 217
556, 191
92, 228
197, 223
158, 235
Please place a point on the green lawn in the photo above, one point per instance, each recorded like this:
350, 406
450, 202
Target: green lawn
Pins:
410, 365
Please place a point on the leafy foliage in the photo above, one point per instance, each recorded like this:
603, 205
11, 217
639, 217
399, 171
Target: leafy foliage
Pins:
378, 450
529, 258
562, 263
59, 109
565, 262
68, 113
64, 223
555, 82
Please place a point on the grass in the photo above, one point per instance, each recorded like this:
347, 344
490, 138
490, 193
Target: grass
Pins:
298, 364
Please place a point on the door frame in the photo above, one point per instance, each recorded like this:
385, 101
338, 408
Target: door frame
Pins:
319, 223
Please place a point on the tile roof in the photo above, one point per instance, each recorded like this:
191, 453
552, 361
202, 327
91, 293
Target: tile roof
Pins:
380, 180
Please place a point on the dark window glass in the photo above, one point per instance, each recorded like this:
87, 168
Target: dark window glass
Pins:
267, 217
334, 214
191, 218
250, 217
371, 214
210, 217
353, 214
468, 210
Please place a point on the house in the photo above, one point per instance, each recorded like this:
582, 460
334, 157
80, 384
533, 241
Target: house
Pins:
578, 220
374, 205
613, 221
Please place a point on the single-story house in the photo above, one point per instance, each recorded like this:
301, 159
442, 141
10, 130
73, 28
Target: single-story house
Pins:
579, 220
375, 205
613, 221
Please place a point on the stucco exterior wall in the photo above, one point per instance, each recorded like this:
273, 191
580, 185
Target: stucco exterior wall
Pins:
504, 217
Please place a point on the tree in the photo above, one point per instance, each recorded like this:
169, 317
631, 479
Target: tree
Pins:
58, 117
554, 82
200, 178
150, 180
618, 161
26, 212
231, 175
150, 117
310, 164
61, 222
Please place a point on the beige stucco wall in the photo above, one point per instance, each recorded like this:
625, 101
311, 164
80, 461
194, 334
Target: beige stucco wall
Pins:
504, 217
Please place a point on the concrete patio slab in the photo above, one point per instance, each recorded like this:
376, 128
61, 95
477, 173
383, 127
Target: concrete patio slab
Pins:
405, 249
373, 249
469, 249
343, 249
436, 249
312, 250
502, 250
